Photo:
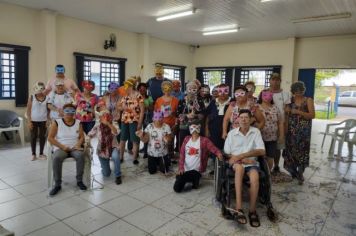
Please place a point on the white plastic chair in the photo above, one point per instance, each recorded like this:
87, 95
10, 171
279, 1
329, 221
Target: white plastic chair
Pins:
343, 135
347, 124
19, 129
87, 164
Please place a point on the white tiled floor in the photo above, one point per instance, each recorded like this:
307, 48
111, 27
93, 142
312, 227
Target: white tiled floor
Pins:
147, 205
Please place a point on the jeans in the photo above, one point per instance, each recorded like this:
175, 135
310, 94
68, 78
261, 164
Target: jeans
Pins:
39, 130
58, 157
105, 164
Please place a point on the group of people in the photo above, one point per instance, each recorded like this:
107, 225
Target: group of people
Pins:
198, 124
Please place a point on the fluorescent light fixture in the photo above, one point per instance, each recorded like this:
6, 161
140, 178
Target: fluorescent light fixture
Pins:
176, 15
221, 32
321, 18
267, 0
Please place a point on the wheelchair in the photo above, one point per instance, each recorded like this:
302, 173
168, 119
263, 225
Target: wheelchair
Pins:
224, 186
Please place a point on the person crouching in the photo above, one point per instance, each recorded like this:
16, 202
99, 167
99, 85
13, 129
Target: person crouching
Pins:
108, 146
158, 135
194, 155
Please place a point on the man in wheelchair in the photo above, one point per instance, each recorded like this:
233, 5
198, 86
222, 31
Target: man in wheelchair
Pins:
242, 146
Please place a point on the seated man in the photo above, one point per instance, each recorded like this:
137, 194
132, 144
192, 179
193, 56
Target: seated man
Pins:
67, 137
243, 145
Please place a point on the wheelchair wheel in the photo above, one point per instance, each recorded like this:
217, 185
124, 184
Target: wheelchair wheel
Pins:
265, 190
218, 179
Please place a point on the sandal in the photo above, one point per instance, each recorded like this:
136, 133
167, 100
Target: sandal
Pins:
240, 217
254, 220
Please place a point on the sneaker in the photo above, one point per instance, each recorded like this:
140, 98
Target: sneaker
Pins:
81, 186
42, 157
136, 162
33, 158
55, 190
118, 180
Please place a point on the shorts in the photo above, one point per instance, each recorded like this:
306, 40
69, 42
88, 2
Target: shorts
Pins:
129, 131
248, 168
271, 148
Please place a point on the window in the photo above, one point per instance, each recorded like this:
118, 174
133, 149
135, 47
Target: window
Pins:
174, 72
346, 94
7, 75
214, 77
101, 70
14, 73
260, 76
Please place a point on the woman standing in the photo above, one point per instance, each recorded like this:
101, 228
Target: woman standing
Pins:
86, 102
299, 115
241, 102
38, 115
132, 109
111, 100
273, 131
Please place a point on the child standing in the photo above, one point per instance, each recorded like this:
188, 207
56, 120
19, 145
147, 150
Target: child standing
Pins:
158, 135
108, 145
194, 155
37, 113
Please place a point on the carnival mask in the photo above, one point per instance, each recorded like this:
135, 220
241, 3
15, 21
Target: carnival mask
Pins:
240, 94
223, 90
69, 111
267, 95
157, 116
38, 88
194, 128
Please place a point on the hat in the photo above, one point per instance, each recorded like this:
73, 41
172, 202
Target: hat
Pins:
130, 82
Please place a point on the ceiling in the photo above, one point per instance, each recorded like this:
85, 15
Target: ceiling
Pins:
258, 20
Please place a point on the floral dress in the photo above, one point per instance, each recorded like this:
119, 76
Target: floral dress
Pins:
234, 119
296, 153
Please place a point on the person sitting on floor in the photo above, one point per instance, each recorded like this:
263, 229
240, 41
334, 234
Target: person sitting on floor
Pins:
67, 137
243, 145
158, 135
194, 155
108, 146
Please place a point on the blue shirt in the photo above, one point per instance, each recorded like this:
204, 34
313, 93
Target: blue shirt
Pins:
179, 95
154, 87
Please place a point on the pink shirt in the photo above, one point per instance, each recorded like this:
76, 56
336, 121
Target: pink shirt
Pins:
69, 85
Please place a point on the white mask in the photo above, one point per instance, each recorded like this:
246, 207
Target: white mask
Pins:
194, 128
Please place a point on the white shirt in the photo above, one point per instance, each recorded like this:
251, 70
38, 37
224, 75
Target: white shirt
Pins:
157, 147
280, 99
221, 106
67, 135
58, 100
237, 143
192, 155
39, 109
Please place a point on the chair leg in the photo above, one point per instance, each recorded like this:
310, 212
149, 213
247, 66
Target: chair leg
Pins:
322, 143
350, 147
339, 150
49, 167
332, 148
22, 136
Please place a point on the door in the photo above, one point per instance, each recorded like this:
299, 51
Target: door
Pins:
308, 77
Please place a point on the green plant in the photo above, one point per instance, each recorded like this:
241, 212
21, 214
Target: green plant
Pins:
324, 115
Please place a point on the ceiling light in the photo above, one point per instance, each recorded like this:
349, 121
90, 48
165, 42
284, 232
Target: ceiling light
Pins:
176, 15
321, 18
221, 32
266, 0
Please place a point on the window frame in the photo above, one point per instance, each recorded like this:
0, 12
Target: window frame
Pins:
81, 58
11, 52
21, 73
176, 67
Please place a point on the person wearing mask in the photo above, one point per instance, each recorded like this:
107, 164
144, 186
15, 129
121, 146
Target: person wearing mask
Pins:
241, 102
299, 115
69, 85
67, 137
132, 108
280, 99
57, 99
38, 115
154, 83
86, 102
